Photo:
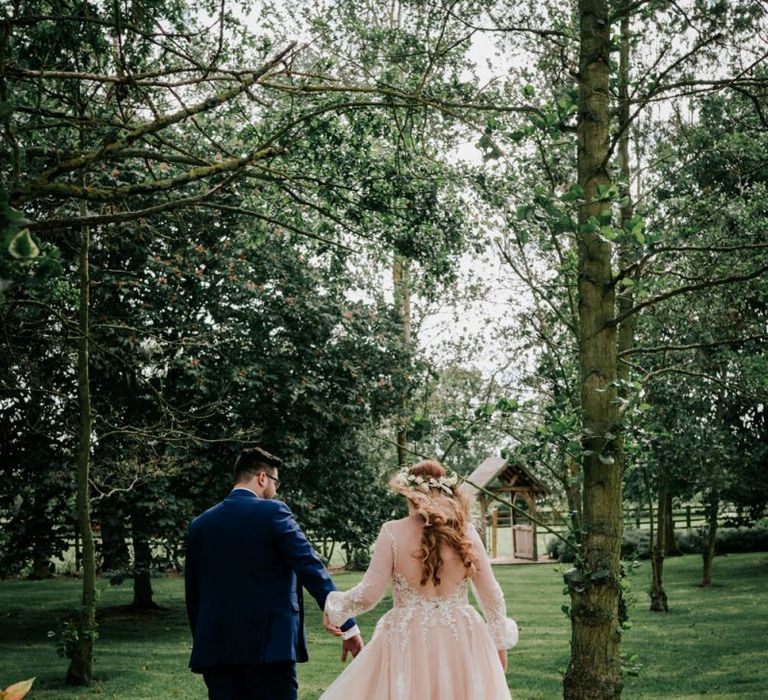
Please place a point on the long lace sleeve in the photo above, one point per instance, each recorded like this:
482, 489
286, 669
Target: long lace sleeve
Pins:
489, 595
365, 595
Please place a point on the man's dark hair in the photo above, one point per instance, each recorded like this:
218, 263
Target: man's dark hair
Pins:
253, 460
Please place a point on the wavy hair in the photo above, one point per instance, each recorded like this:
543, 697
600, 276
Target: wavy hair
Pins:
445, 518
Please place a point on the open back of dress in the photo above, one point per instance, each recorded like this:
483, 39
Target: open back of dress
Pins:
432, 644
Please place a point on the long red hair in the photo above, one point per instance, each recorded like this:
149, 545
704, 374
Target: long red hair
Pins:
445, 518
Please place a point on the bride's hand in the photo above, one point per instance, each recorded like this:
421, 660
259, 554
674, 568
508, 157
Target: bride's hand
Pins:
503, 659
353, 645
335, 631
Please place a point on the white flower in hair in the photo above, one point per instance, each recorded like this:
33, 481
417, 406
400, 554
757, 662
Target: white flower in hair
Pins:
445, 483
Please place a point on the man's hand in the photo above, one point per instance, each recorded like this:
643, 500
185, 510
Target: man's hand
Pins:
353, 645
503, 659
335, 631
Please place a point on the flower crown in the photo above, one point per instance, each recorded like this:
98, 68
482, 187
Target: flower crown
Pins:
445, 483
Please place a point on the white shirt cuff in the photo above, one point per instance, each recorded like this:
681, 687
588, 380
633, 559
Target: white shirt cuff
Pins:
351, 632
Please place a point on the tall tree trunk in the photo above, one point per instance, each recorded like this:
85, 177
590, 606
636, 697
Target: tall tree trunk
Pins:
670, 541
573, 491
712, 503
711, 507
41, 567
594, 670
659, 601
142, 566
401, 282
80, 671
401, 278
628, 246
114, 549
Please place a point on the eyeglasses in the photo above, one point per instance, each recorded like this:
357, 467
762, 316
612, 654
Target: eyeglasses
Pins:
274, 478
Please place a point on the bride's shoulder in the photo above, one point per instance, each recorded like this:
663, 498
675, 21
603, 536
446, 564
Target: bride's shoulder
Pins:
397, 525
390, 524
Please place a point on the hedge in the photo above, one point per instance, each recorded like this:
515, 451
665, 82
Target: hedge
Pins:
730, 540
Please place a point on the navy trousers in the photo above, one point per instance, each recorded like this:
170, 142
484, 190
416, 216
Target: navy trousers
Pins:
275, 681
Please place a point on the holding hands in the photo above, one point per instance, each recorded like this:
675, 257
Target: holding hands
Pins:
353, 645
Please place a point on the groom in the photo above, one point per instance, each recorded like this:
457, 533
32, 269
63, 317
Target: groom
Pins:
247, 560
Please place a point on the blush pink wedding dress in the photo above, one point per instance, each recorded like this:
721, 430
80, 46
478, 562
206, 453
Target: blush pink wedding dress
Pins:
432, 644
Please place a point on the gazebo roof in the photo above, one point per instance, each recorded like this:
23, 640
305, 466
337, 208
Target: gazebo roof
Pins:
512, 475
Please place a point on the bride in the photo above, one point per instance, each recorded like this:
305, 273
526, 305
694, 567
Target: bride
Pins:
432, 644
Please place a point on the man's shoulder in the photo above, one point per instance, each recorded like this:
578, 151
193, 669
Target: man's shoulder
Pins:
236, 507
257, 507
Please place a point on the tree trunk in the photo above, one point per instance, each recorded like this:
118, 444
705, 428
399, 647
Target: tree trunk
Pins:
401, 279
80, 671
708, 549
712, 503
114, 549
594, 670
142, 567
41, 567
573, 492
659, 601
670, 541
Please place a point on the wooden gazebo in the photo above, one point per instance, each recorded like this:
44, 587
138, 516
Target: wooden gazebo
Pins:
513, 483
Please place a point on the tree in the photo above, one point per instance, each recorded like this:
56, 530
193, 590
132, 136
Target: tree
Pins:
101, 141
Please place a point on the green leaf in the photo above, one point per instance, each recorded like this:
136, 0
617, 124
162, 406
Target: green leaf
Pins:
574, 193
22, 246
48, 267
507, 405
528, 90
523, 212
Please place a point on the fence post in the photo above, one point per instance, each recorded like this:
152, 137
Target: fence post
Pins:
688, 516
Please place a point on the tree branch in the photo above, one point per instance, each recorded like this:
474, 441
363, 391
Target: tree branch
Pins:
62, 190
733, 279
276, 222
691, 346
122, 217
165, 121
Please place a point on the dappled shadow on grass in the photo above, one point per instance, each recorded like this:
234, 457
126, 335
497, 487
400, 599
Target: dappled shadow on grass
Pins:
714, 640
29, 611
128, 613
711, 644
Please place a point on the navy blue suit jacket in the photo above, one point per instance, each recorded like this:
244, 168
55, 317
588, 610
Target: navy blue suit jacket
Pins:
247, 560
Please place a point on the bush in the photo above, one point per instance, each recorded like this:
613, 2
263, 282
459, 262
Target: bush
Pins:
730, 540
742, 539
636, 544
358, 559
557, 549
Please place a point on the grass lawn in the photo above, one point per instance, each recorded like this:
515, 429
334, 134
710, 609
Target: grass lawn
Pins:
713, 643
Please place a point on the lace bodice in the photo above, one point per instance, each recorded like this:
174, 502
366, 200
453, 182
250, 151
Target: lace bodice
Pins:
404, 595
392, 563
